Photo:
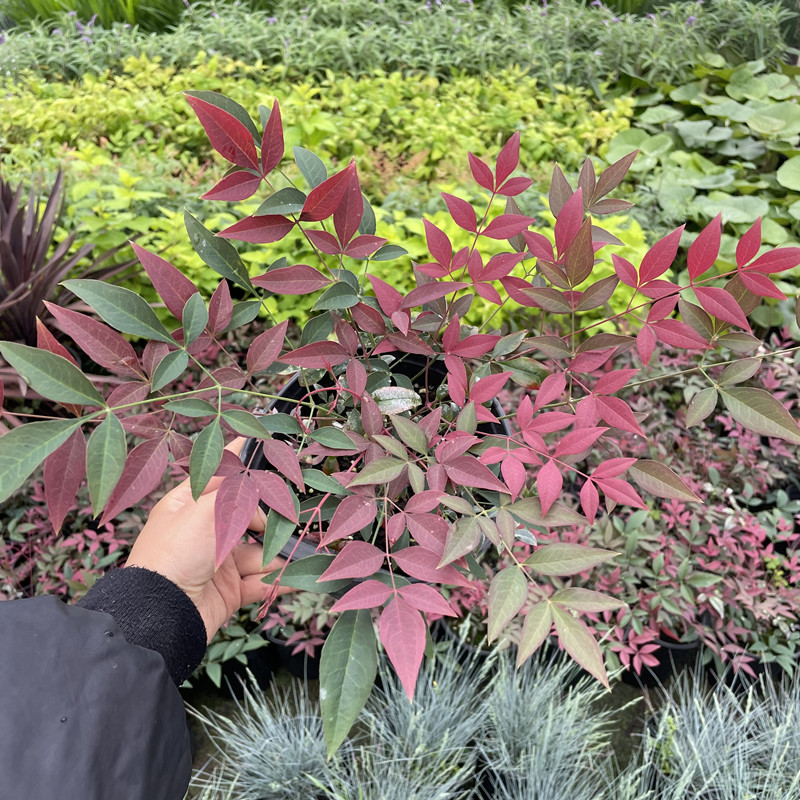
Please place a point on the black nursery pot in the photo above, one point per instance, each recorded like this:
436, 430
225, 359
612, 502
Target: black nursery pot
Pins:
301, 665
409, 365
673, 657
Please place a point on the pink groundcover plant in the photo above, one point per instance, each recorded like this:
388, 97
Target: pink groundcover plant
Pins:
392, 455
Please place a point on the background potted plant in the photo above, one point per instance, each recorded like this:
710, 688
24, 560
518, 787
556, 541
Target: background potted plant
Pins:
415, 485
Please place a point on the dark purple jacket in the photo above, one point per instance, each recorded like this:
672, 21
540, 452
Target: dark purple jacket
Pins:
89, 706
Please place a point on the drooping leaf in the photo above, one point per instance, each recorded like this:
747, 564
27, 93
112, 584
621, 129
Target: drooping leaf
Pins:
348, 665
659, 480
52, 376
284, 459
274, 492
234, 507
272, 141
701, 405
120, 308
507, 593
402, 633
579, 643
63, 472
760, 412
105, 460
535, 630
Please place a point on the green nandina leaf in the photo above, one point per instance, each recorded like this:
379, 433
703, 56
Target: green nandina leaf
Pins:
120, 308
701, 405
760, 412
337, 297
347, 669
579, 599
285, 201
219, 254
24, 448
245, 423
462, 538
195, 318
561, 559
333, 438
535, 630
191, 407
467, 419
105, 460
205, 457
579, 643
280, 423
277, 533
389, 252
661, 481
507, 593
243, 313
739, 371
508, 344
318, 480
303, 574
54, 377
172, 366
396, 399
310, 165
410, 434
381, 470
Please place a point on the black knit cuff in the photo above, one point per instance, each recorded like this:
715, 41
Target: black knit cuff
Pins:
152, 612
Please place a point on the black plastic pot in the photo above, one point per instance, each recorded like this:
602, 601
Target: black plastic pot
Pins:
672, 658
409, 365
301, 665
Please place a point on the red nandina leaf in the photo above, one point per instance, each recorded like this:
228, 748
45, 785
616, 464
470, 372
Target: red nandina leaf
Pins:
508, 160
355, 560
761, 285
704, 249
402, 319
356, 377
552, 388
618, 414
133, 392
475, 346
462, 212
468, 471
577, 441
427, 599
351, 515
173, 287
363, 246
678, 334
347, 216
323, 200
514, 474
506, 226
146, 426
46, 341
317, 355
239, 185
421, 563
626, 272
539, 245
272, 141
748, 245
402, 633
658, 289
389, 299
428, 530
229, 137
612, 382
525, 412
325, 242
514, 186
227, 377
143, 471
395, 527
100, 342
266, 348
422, 502
430, 292
369, 594
220, 308
579, 257
295, 280
275, 493
368, 319
371, 416
234, 506
613, 467
499, 266
489, 387
661, 309
645, 343
456, 380
777, 260
549, 484
258, 230
64, 469
549, 423
451, 334
659, 257
722, 305
346, 335
590, 500
569, 222
406, 344
488, 292
620, 491
439, 245
589, 361
284, 459
481, 173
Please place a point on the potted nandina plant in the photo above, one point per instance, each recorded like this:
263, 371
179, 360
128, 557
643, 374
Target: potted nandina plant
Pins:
402, 493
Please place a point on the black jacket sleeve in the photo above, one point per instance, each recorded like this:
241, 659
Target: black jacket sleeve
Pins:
89, 708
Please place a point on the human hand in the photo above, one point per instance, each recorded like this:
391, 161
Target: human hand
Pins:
179, 542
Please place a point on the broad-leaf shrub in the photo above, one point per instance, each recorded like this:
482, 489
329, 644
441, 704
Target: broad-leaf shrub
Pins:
397, 476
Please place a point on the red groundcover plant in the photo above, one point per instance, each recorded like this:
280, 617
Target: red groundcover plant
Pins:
391, 458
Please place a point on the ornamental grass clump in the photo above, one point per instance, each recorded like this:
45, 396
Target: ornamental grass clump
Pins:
387, 453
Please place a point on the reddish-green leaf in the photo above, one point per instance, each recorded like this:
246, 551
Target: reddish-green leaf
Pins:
462, 537
426, 599
529, 512
579, 599
351, 515
228, 136
284, 459
535, 630
370, 594
381, 470
659, 480
760, 412
266, 348
402, 633
317, 355
739, 371
234, 507
612, 176
579, 643
324, 199
507, 593
258, 230
701, 405
355, 560
63, 472
561, 559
